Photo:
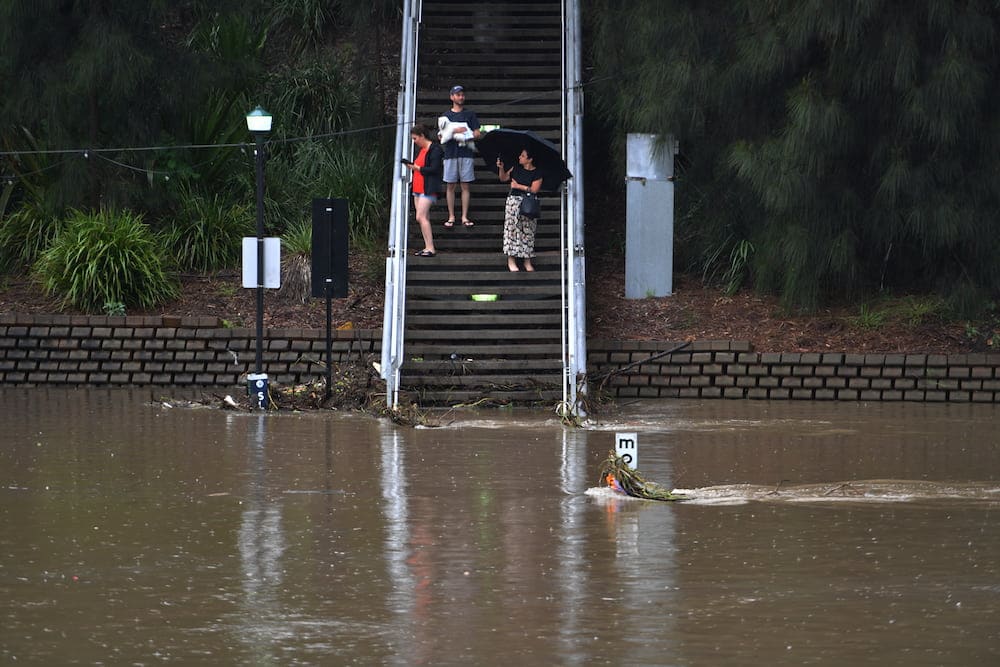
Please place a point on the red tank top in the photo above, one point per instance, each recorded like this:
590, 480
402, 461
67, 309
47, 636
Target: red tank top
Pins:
418, 178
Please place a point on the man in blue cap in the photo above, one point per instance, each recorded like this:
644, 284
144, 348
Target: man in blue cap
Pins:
458, 157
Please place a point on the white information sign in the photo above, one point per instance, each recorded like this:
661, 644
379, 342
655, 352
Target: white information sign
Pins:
627, 447
272, 262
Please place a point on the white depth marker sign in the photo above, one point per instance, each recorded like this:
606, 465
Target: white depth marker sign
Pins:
272, 262
627, 447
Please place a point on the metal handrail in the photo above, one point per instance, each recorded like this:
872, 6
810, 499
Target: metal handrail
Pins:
575, 330
574, 347
393, 320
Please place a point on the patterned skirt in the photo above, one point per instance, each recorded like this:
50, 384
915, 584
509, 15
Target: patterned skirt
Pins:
518, 231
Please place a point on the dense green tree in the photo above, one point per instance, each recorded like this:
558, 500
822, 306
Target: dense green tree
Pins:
95, 73
99, 74
853, 145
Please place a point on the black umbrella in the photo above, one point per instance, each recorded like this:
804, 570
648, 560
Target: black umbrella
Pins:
508, 144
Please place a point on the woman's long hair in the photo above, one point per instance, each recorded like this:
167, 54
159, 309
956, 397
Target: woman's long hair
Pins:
419, 129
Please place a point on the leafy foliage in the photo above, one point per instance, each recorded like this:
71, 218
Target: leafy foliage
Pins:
307, 20
33, 220
356, 175
870, 318
207, 232
331, 170
318, 95
180, 76
296, 261
853, 144
97, 74
107, 257
298, 239
24, 235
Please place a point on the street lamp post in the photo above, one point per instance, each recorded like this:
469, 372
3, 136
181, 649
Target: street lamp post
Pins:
259, 124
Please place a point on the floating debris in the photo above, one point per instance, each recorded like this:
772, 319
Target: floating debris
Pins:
617, 475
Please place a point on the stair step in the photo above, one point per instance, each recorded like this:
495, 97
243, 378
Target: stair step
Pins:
518, 86
434, 34
488, 224
481, 264
478, 320
488, 307
509, 50
492, 380
481, 350
481, 366
455, 397
492, 334
458, 246
505, 291
489, 218
528, 108
500, 277
523, 10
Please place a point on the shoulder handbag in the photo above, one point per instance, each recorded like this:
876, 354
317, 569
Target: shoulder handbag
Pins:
530, 206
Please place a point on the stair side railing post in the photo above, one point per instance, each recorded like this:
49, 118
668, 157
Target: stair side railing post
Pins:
575, 354
393, 324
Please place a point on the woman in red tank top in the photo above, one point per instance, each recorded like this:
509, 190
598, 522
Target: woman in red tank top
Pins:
427, 169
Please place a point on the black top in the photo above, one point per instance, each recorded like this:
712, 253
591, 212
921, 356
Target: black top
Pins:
469, 118
433, 169
524, 177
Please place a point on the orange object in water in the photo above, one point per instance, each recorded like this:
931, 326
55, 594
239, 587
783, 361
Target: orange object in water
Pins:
613, 483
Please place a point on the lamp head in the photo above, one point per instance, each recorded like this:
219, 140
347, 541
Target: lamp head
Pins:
259, 120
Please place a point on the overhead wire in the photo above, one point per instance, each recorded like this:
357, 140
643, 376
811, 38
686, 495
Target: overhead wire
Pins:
100, 152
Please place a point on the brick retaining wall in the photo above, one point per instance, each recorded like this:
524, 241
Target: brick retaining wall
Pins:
199, 351
168, 351
724, 369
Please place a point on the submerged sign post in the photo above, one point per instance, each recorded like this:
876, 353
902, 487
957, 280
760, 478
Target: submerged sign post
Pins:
261, 268
627, 447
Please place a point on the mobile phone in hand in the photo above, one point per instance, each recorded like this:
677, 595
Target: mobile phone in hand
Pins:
405, 161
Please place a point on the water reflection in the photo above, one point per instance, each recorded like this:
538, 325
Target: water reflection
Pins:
573, 475
402, 599
261, 543
132, 532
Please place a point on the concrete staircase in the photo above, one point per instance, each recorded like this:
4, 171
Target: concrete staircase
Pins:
508, 56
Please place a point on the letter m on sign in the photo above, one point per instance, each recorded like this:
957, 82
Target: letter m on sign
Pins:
627, 447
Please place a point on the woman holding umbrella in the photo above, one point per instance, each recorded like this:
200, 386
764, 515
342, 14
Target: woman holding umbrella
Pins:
519, 230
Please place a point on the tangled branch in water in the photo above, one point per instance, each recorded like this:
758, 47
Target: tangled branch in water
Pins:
619, 476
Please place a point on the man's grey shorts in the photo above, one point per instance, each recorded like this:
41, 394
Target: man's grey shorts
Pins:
458, 169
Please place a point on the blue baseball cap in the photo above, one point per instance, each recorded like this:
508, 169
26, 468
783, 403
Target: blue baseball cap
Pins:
457, 89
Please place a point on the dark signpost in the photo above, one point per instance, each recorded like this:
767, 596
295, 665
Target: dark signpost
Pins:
329, 263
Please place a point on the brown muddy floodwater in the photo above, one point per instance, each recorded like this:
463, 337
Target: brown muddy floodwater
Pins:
138, 532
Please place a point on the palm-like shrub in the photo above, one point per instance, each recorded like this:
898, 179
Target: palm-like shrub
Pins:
359, 177
30, 208
338, 170
24, 235
207, 232
106, 257
296, 261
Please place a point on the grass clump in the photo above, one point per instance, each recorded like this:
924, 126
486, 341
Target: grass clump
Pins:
296, 262
207, 232
106, 257
24, 235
